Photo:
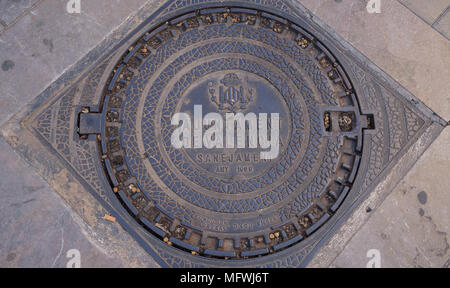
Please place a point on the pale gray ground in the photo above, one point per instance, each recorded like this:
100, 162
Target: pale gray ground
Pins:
408, 40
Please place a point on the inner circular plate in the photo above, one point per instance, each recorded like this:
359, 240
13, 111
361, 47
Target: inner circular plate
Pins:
188, 85
231, 87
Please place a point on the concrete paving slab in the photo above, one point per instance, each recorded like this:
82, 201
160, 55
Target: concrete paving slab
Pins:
37, 229
429, 10
368, 208
443, 24
11, 9
45, 42
411, 228
398, 42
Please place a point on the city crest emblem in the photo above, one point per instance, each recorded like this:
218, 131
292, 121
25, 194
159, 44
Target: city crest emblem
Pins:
232, 95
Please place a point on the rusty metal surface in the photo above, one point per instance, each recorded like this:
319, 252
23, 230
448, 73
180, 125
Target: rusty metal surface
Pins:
341, 128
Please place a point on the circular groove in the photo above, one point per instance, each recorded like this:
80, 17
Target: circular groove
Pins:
187, 203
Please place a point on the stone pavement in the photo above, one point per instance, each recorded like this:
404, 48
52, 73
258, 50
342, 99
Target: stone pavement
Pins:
435, 13
415, 218
38, 229
407, 230
39, 40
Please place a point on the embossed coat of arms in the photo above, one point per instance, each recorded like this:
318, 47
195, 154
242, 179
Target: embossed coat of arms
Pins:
232, 94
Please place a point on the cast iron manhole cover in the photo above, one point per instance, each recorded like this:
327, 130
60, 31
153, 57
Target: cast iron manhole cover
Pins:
220, 133
211, 195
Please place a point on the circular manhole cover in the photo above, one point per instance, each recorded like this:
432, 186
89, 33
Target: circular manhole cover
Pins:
230, 133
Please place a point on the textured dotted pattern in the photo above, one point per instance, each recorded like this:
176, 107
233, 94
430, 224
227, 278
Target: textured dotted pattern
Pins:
192, 38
